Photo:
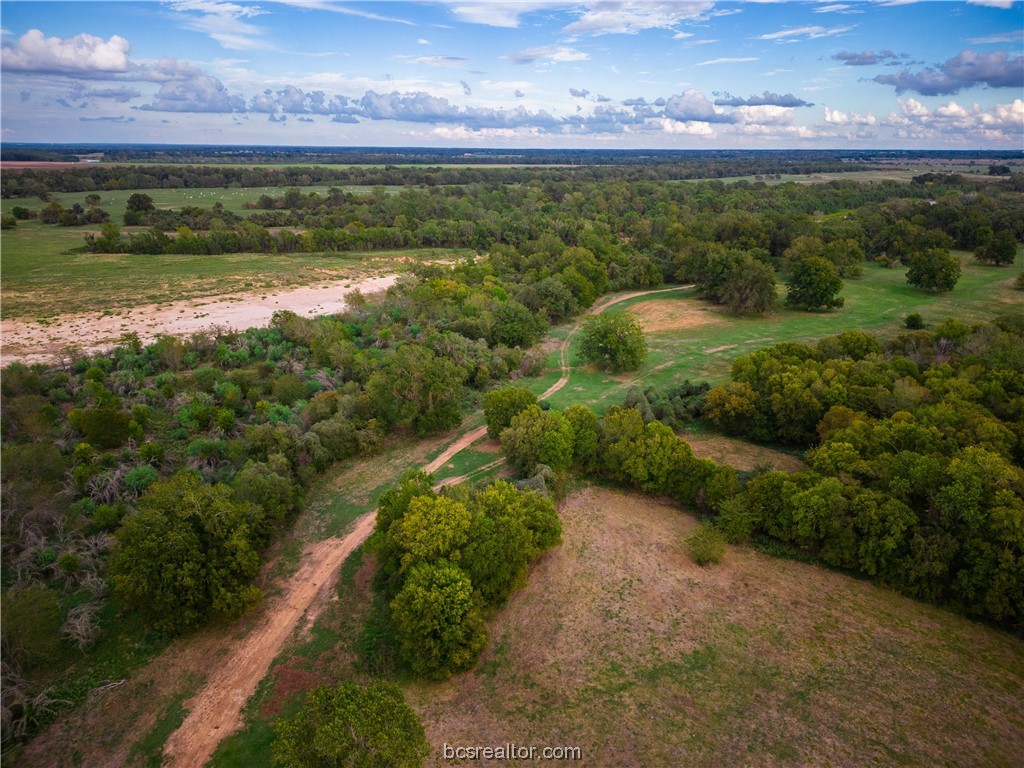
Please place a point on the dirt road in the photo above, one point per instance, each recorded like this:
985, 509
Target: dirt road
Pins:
215, 712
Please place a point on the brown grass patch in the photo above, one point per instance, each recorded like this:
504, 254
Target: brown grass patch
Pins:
659, 315
741, 454
624, 647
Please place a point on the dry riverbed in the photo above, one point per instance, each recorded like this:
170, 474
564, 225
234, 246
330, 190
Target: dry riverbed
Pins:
45, 341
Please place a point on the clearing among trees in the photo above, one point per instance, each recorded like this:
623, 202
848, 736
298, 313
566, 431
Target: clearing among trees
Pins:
622, 645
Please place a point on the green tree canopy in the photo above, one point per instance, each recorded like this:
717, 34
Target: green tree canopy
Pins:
538, 437
440, 628
420, 388
615, 342
935, 269
352, 727
187, 554
814, 284
502, 405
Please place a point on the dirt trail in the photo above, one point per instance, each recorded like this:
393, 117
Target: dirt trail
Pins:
215, 712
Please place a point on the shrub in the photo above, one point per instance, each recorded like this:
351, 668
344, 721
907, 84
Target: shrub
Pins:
914, 321
706, 545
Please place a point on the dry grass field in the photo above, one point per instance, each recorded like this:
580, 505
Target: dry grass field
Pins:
624, 647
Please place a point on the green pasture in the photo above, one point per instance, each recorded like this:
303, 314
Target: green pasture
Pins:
43, 276
877, 302
233, 198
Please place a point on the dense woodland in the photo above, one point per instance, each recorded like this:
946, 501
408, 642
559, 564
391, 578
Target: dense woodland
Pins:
144, 484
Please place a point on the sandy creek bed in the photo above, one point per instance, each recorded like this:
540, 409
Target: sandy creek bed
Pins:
34, 342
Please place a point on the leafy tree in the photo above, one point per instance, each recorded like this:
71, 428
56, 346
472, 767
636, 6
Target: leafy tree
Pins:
748, 288
502, 405
731, 407
416, 386
615, 342
348, 725
999, 250
814, 284
935, 269
440, 628
914, 321
516, 326
433, 528
187, 554
140, 203
538, 437
500, 543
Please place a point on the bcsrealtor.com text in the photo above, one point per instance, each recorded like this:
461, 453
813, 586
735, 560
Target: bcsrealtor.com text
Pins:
511, 751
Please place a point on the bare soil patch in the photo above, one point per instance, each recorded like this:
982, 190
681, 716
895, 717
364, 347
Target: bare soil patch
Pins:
659, 315
622, 646
741, 454
32, 342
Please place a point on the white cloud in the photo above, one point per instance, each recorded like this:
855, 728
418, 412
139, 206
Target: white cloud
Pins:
499, 13
836, 117
560, 53
685, 127
629, 18
222, 21
333, 7
763, 115
448, 62
953, 121
423, 41
727, 60
1004, 4
808, 33
81, 55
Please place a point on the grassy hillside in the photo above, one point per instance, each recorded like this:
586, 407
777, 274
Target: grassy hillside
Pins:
622, 646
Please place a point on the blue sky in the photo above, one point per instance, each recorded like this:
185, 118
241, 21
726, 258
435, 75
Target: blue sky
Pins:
532, 73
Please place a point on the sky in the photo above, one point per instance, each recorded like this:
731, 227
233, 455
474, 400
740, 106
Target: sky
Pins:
698, 74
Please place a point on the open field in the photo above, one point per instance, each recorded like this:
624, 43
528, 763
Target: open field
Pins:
622, 646
41, 280
691, 338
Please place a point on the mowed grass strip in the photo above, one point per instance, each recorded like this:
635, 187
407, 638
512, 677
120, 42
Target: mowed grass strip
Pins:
622, 646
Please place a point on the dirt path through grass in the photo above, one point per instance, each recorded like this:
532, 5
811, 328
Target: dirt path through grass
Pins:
215, 712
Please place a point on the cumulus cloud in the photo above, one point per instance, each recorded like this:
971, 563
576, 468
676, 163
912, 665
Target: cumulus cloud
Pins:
82, 55
466, 90
691, 105
202, 93
668, 125
559, 53
519, 94
765, 99
966, 69
764, 114
579, 93
836, 117
1003, 124
629, 18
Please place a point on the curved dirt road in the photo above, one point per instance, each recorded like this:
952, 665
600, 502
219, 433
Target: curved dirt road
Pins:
215, 712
